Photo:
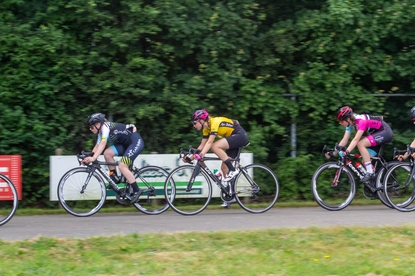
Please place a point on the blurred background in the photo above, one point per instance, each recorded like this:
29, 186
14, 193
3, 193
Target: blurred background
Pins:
282, 68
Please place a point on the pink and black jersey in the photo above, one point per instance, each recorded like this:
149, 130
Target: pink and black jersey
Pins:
368, 123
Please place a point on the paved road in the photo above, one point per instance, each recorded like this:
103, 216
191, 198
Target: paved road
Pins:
68, 226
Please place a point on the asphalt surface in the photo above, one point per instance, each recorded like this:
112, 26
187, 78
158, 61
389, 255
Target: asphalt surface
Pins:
68, 226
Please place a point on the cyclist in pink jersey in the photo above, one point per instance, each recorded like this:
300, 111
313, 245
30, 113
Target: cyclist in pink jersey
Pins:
370, 130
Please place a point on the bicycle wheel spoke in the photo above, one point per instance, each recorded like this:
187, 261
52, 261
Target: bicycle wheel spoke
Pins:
78, 197
256, 188
183, 201
8, 200
329, 196
399, 188
151, 179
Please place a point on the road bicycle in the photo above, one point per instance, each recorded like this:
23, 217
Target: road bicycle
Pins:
82, 191
188, 188
400, 193
9, 199
334, 186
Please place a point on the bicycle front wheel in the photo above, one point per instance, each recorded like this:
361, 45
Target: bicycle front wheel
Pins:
184, 199
151, 179
256, 188
333, 188
398, 188
8, 199
81, 193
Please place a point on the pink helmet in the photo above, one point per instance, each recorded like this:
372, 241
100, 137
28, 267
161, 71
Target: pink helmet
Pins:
200, 115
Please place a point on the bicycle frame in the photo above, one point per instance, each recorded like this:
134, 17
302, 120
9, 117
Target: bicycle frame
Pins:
96, 167
343, 162
201, 165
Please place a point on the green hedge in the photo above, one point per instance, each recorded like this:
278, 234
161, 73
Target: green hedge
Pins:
153, 62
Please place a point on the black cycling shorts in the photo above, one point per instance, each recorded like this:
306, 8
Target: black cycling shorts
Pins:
238, 139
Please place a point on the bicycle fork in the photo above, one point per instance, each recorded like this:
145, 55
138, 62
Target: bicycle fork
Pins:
91, 172
336, 177
192, 178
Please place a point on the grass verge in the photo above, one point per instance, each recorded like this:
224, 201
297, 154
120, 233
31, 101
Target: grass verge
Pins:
311, 251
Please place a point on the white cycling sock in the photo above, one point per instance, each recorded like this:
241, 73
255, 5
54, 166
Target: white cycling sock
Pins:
369, 167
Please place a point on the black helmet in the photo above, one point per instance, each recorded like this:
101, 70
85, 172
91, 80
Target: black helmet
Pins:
95, 118
343, 113
412, 113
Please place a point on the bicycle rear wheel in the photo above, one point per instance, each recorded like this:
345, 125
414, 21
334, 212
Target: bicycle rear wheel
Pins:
187, 201
400, 187
151, 179
8, 199
380, 180
81, 193
333, 188
256, 188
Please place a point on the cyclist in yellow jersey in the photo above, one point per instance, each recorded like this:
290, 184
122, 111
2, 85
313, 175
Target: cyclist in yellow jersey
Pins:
231, 137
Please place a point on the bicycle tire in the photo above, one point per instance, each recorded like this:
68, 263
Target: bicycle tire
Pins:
333, 198
76, 202
256, 188
9, 200
400, 189
380, 177
185, 202
152, 202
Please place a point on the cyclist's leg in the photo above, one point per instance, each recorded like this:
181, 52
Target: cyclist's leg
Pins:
109, 154
377, 138
362, 146
219, 148
227, 147
237, 140
130, 154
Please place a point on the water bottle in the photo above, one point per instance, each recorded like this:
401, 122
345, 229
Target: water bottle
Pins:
218, 174
359, 166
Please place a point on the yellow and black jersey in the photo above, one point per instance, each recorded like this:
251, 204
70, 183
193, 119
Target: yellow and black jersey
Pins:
220, 126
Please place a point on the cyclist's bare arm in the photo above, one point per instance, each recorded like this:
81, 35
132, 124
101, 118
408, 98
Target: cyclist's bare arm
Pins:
406, 155
343, 142
98, 149
355, 140
208, 144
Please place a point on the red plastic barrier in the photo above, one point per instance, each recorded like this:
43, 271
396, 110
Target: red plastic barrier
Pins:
11, 166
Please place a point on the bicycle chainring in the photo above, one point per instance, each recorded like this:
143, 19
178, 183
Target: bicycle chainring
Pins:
121, 197
368, 193
226, 197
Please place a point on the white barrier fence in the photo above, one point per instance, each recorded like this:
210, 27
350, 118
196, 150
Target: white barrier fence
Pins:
60, 164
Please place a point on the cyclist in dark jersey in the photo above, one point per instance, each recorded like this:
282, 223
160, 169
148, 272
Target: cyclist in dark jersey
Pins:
378, 130
125, 142
232, 137
406, 155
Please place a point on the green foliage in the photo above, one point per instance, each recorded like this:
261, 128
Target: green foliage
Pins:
294, 175
270, 64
